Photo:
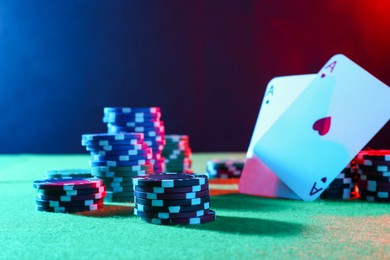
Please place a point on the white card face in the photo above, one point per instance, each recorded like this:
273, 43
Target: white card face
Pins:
325, 127
279, 95
257, 178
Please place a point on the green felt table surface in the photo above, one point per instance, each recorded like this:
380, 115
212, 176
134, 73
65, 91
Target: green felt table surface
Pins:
247, 227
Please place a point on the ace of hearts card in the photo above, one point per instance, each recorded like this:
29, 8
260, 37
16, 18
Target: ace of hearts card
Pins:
310, 127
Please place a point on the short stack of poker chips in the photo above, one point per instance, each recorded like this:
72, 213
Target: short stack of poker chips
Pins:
69, 194
139, 120
225, 169
373, 167
115, 159
177, 153
342, 187
173, 198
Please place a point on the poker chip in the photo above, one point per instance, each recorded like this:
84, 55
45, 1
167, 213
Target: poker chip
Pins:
94, 196
75, 173
69, 194
52, 192
374, 168
170, 180
172, 198
67, 183
98, 148
229, 168
172, 209
375, 163
165, 215
74, 203
111, 137
208, 217
373, 177
69, 209
130, 110
94, 163
120, 158
377, 155
159, 190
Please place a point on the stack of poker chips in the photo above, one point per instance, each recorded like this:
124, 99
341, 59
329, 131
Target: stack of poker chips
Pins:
173, 198
342, 187
115, 159
177, 153
373, 167
69, 194
139, 120
225, 169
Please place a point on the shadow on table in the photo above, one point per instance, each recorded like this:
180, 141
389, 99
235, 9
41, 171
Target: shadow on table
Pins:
108, 211
251, 226
241, 202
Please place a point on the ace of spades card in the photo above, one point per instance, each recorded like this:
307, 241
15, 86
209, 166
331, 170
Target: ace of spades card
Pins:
310, 127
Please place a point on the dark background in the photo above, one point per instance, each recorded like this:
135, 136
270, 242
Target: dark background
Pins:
205, 63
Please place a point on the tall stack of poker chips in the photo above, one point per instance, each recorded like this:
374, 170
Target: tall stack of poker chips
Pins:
177, 153
139, 120
342, 187
69, 194
115, 159
225, 169
373, 167
173, 198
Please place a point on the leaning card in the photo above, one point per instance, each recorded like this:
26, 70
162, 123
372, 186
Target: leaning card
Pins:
325, 127
257, 178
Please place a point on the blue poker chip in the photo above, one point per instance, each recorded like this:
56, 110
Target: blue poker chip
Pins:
208, 217
69, 209
195, 188
112, 137
121, 158
172, 209
122, 152
116, 189
166, 215
119, 179
67, 183
73, 203
147, 133
170, 180
116, 115
136, 128
162, 203
116, 147
171, 196
94, 196
374, 168
116, 163
132, 109
141, 124
130, 142
128, 119
79, 192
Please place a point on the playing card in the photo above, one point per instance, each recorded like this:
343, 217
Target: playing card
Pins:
325, 127
257, 178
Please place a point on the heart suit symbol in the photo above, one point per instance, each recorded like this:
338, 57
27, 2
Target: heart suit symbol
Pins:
322, 125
